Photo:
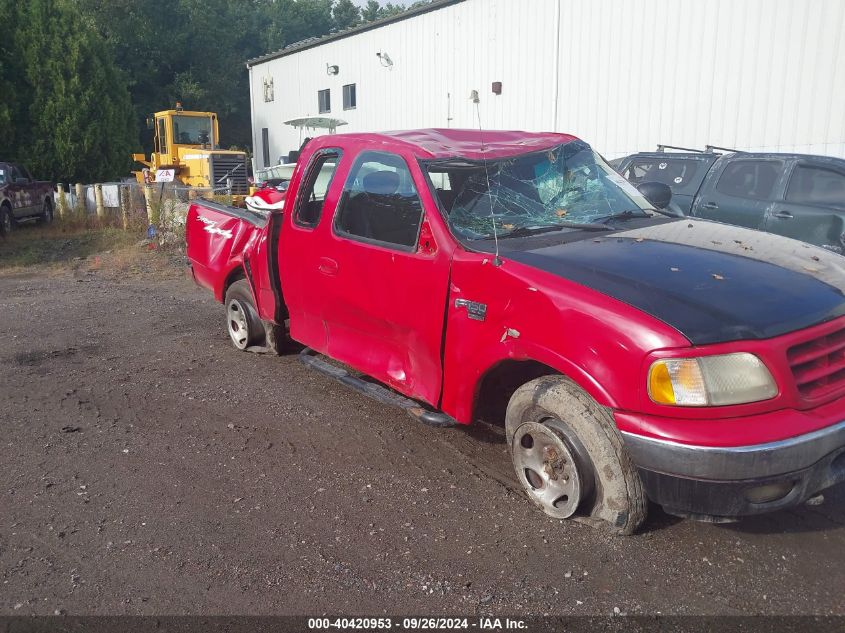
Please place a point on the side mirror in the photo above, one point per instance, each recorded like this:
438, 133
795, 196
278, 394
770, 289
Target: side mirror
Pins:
656, 193
150, 123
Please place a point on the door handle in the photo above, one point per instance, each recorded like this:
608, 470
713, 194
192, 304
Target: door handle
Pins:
328, 266
710, 205
784, 215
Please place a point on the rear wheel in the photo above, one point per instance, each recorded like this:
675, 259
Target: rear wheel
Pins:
47, 211
242, 321
570, 458
6, 221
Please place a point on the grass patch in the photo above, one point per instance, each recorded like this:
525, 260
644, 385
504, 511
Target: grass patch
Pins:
34, 244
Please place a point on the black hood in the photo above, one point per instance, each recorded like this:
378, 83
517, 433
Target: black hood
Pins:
745, 285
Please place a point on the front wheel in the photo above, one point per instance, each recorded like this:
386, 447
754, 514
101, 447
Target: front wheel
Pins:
570, 458
245, 328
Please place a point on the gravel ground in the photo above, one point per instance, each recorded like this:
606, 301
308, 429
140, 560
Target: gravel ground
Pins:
149, 468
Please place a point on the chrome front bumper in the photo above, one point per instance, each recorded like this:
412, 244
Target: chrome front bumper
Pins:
721, 481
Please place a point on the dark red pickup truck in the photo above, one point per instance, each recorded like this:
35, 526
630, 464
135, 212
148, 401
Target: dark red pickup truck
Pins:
516, 278
22, 197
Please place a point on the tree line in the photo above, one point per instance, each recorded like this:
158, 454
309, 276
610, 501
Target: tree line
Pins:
78, 78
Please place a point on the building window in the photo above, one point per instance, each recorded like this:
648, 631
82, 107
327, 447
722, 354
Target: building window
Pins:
265, 145
268, 90
349, 97
324, 100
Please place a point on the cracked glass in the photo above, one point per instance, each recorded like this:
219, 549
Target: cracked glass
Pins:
567, 186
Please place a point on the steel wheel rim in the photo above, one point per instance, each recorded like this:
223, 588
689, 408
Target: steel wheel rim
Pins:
547, 469
238, 323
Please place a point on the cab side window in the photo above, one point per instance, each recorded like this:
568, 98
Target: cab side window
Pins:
380, 202
315, 186
162, 137
816, 185
754, 179
19, 172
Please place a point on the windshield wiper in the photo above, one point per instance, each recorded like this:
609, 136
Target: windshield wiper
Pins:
667, 212
626, 215
524, 231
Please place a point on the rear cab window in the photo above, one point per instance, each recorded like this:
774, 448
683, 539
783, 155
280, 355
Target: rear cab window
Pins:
752, 179
380, 202
817, 185
680, 174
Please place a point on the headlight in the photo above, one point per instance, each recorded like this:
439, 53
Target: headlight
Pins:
710, 381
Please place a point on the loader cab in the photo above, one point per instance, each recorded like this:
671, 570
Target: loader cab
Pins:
175, 129
186, 147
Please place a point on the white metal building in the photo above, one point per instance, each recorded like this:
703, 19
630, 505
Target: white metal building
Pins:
624, 75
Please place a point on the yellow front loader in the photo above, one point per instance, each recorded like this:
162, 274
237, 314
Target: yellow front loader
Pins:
185, 150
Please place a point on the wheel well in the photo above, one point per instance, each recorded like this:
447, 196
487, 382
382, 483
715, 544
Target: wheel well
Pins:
240, 273
235, 275
500, 383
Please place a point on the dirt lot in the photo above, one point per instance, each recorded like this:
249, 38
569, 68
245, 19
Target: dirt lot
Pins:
148, 468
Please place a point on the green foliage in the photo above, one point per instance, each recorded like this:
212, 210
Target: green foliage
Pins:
345, 15
78, 78
12, 93
68, 107
374, 11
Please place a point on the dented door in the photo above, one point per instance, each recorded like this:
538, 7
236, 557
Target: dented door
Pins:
382, 278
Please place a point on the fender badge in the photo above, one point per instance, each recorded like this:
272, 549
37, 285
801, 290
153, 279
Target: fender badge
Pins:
475, 311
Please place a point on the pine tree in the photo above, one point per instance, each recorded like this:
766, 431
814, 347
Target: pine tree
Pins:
14, 94
374, 11
79, 122
370, 12
345, 15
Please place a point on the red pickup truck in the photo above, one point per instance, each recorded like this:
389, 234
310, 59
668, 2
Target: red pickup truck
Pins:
516, 278
22, 197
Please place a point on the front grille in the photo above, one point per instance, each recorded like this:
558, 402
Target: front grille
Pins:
224, 166
818, 366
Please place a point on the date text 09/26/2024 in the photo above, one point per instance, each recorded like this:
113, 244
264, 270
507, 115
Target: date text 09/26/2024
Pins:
416, 624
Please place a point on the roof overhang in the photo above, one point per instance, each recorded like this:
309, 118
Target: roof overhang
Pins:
296, 47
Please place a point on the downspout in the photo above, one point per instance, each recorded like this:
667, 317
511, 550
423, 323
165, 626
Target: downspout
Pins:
557, 67
252, 119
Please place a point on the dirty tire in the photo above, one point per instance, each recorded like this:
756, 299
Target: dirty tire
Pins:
6, 220
613, 495
46, 216
278, 341
242, 322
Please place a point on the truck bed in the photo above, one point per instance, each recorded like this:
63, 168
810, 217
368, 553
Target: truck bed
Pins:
222, 243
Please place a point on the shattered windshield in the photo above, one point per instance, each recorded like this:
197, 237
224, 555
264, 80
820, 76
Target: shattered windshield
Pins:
568, 186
